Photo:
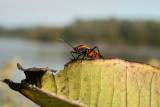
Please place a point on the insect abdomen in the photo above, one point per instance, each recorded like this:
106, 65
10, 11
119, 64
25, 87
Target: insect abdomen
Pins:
93, 54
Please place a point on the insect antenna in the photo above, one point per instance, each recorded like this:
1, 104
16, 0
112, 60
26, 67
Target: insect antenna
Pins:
66, 42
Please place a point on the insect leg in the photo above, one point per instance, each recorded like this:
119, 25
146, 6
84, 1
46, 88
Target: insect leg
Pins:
73, 52
97, 49
84, 55
79, 55
98, 52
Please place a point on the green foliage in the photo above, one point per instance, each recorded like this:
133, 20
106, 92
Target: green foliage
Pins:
111, 31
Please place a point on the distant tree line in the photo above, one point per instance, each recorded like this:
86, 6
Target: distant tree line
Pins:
111, 31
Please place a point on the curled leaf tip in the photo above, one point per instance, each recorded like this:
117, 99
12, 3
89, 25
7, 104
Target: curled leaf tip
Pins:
20, 67
7, 81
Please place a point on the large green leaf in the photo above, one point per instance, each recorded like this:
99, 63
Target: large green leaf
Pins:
94, 83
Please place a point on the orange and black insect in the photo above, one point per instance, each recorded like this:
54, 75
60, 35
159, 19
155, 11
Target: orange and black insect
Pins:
85, 51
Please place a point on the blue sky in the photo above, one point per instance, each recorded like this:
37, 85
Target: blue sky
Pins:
17, 13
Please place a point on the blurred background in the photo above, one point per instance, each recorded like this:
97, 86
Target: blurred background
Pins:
124, 29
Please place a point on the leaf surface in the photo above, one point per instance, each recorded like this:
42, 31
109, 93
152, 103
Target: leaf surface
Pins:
93, 83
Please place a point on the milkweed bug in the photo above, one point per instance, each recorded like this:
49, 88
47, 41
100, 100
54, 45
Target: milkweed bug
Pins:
85, 51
